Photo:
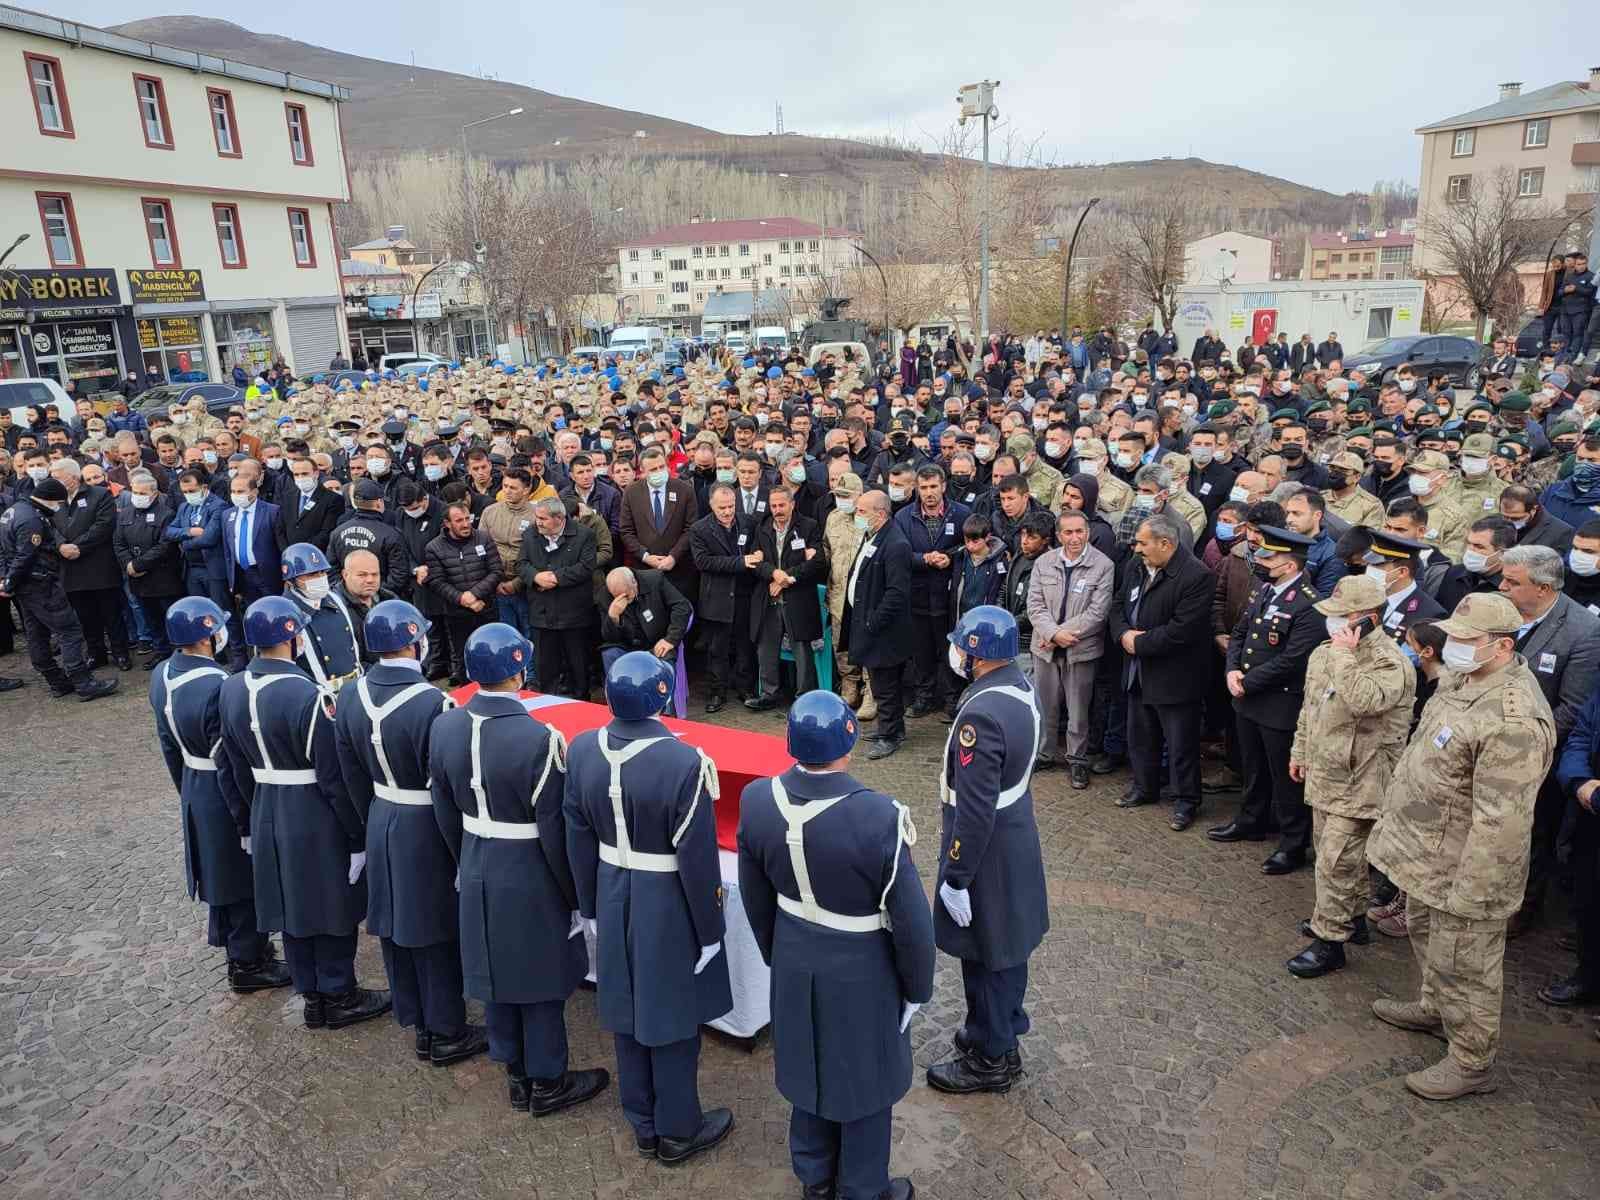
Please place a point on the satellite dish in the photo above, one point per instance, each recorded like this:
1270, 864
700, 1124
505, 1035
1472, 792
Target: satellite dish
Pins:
1225, 267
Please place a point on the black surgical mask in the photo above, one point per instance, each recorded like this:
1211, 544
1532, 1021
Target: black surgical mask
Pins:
1294, 452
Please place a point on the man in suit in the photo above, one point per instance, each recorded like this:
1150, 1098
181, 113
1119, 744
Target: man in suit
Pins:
794, 560
86, 524
751, 499
725, 559
875, 630
1330, 350
1302, 354
557, 572
1560, 641
645, 613
312, 510
1162, 621
1501, 361
657, 511
252, 536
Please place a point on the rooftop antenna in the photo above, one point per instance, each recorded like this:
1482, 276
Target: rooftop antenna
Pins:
780, 119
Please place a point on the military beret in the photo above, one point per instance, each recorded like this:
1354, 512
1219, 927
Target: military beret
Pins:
1220, 409
1515, 402
1564, 425
1360, 431
1319, 406
1516, 439
1285, 414
1506, 452
1453, 434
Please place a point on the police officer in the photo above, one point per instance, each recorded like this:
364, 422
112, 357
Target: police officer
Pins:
382, 734
295, 818
1267, 656
839, 914
497, 778
330, 652
642, 838
30, 574
367, 527
184, 694
992, 908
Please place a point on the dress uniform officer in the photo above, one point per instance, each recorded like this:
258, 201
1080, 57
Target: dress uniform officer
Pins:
992, 906
330, 652
840, 916
30, 574
1352, 728
1396, 563
382, 734
498, 777
184, 694
295, 818
642, 838
1267, 656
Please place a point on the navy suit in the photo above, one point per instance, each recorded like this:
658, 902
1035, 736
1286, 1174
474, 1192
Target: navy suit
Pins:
651, 923
205, 561
989, 845
520, 953
837, 994
246, 585
411, 896
875, 630
215, 867
930, 598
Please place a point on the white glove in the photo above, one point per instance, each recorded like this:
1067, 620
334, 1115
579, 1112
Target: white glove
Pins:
244, 843
591, 927
458, 879
707, 953
957, 903
577, 925
907, 1011
358, 863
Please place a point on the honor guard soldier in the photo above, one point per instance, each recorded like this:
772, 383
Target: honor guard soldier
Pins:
184, 693
642, 837
295, 818
330, 652
839, 914
1396, 563
498, 777
992, 908
382, 733
1266, 664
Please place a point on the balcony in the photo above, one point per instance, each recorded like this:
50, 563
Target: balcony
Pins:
1586, 154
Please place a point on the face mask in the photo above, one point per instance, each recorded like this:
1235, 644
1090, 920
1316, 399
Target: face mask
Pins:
1226, 530
1379, 576
1089, 467
400, 413
1473, 561
347, 442
1202, 455
862, 524
314, 589
180, 418
1054, 449
433, 472
192, 498
845, 503
1583, 563
1294, 452
377, 467
38, 474
300, 646
606, 443
1419, 484
960, 481
1586, 475
1125, 459
1144, 501
1336, 625
1239, 495
243, 501
307, 484
219, 640
897, 494
1458, 656
141, 502
958, 661
255, 414
273, 464
1041, 423
1407, 386
657, 478
1283, 387
982, 452
301, 428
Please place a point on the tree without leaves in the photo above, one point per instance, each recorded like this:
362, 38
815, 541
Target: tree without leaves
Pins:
1153, 233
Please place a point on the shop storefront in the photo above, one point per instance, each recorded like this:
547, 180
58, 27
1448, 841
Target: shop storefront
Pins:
11, 363
87, 353
244, 338
173, 348
66, 324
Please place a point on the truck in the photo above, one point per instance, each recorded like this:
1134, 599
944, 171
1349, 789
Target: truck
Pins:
833, 326
1360, 311
772, 337
637, 340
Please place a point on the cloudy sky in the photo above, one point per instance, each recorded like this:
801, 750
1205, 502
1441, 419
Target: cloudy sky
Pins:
1322, 94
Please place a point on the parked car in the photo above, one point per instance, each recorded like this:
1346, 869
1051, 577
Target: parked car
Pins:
21, 394
1456, 356
1530, 340
219, 397
393, 362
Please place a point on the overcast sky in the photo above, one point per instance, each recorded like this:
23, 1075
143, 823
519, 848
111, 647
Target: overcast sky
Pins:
1322, 94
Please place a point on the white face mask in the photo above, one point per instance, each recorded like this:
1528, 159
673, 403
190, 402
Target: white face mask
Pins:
1582, 562
1054, 449
1126, 459
306, 483
1239, 495
1089, 467
377, 467
274, 464
433, 472
958, 661
1407, 385
219, 640
1474, 561
38, 474
848, 504
1143, 501
209, 457
1336, 625
896, 494
313, 587
1379, 576
193, 498
982, 452
1419, 484
1474, 466
1458, 656
244, 501
347, 441
416, 514
141, 502
658, 479
1202, 455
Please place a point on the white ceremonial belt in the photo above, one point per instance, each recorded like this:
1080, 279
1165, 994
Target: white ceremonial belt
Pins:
195, 763
419, 797
285, 778
832, 920
511, 831
638, 860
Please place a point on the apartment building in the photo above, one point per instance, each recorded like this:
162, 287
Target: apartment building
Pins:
167, 211
1383, 254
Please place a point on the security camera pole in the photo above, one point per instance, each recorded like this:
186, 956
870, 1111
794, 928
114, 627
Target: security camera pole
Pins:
479, 247
977, 100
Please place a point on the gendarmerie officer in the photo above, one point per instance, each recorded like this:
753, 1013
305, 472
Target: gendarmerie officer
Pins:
382, 733
992, 908
330, 652
642, 838
498, 777
30, 574
839, 913
1396, 563
295, 818
1267, 656
184, 693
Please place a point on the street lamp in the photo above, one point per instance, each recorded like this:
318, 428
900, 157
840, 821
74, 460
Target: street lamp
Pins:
1066, 279
21, 237
478, 247
884, 279
977, 100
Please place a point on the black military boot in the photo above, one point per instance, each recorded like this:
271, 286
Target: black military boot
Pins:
89, 688
520, 1085
10, 684
715, 1126
552, 1095
818, 1191
444, 1051
1319, 958
970, 1072
316, 1014
357, 1005
1360, 933
257, 976
899, 1189
1013, 1055
424, 1045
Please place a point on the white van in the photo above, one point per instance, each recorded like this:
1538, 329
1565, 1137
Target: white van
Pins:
772, 337
737, 343
637, 340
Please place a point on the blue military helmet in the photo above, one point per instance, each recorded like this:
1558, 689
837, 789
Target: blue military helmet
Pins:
638, 686
774, 372
393, 625
987, 632
822, 729
272, 621
303, 558
495, 652
194, 619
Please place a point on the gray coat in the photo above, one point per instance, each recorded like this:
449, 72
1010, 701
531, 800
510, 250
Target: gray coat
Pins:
1088, 604
1563, 652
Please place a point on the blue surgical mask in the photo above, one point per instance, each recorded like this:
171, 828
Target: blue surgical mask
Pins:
1225, 531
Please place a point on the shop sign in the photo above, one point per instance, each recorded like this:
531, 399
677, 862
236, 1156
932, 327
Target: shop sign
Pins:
174, 331
27, 291
87, 338
165, 285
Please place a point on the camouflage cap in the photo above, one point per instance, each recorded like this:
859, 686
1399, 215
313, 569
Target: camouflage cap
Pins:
1477, 445
1480, 613
1019, 444
1429, 460
847, 485
1348, 461
1353, 593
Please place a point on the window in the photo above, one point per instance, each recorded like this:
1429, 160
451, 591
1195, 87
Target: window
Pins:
299, 134
633, 277
658, 276
1338, 258
814, 269
50, 105
722, 252
680, 287
744, 249
783, 247
813, 245
678, 264
655, 255
699, 275
783, 272
766, 260
768, 282
161, 232
1536, 134
1459, 189
152, 98
633, 256
727, 273
305, 253
1530, 182
699, 297
1587, 181
223, 126
694, 251
680, 308
60, 229
1396, 254
230, 237
744, 272
1464, 142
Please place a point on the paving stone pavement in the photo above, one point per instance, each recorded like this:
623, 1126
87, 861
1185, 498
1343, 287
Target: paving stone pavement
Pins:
1171, 1054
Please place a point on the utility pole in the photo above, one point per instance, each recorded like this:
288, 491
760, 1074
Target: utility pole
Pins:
977, 100
1066, 280
479, 248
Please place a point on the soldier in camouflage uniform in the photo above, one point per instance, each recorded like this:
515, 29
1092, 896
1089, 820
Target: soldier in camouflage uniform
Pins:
1476, 491
1346, 498
1455, 832
1116, 497
1351, 731
1447, 523
1564, 436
